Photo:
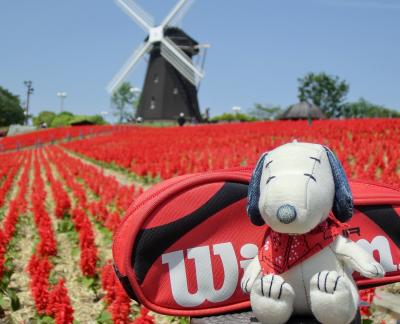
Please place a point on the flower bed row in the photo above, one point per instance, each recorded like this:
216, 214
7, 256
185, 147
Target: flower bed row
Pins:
17, 207
49, 300
368, 148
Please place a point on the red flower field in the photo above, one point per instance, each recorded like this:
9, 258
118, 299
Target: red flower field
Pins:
60, 202
368, 149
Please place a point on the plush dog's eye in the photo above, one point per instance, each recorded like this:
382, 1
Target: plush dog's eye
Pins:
311, 176
266, 166
314, 158
270, 178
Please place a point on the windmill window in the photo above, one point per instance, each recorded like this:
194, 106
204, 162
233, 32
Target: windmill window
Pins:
155, 78
175, 91
152, 104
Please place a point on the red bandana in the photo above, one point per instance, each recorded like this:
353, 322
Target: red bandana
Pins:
283, 251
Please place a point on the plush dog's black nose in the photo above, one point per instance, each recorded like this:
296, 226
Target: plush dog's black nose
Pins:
286, 214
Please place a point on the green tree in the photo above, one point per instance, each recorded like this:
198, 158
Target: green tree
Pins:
44, 117
264, 112
326, 91
11, 111
364, 109
124, 102
62, 119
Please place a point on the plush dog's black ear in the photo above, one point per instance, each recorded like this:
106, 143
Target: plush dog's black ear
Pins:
343, 203
253, 195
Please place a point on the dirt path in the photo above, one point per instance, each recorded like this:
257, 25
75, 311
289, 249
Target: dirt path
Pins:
119, 176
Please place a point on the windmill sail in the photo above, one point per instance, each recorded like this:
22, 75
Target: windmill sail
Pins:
180, 61
174, 12
128, 67
176, 20
133, 10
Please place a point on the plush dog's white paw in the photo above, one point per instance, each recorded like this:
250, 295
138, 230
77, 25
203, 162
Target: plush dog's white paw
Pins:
372, 270
332, 301
247, 281
272, 299
326, 282
273, 286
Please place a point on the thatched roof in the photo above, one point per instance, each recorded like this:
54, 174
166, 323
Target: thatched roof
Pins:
303, 110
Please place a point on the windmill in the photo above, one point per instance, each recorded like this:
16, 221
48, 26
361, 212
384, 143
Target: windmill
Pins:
172, 79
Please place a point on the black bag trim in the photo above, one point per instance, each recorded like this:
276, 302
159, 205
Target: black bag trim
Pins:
151, 243
124, 280
386, 218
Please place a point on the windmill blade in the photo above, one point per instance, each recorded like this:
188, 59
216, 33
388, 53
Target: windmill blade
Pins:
174, 12
177, 19
128, 67
180, 61
133, 10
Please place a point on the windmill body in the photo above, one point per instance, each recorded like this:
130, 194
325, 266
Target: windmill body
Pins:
166, 92
170, 86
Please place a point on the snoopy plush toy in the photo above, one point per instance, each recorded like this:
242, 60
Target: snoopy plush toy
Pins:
304, 267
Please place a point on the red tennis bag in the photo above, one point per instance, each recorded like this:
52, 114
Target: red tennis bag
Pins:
184, 243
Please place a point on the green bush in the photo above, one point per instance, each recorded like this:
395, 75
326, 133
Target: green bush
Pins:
365, 109
62, 119
227, 117
66, 119
44, 117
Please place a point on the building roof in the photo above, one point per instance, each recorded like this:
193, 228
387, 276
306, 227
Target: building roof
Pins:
303, 110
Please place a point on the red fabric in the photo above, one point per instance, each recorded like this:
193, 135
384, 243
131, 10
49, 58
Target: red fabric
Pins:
155, 291
281, 252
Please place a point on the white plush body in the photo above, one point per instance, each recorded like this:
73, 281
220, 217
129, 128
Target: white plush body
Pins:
321, 285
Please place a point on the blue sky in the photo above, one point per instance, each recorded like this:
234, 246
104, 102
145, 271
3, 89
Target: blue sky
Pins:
259, 49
